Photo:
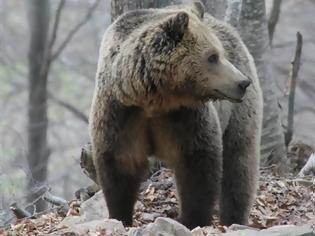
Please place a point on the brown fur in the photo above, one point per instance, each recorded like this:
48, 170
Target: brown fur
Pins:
155, 90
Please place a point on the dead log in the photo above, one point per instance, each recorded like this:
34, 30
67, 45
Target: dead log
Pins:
19, 212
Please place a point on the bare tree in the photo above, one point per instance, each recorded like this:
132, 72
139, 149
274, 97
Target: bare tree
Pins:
216, 8
38, 151
42, 53
233, 11
254, 32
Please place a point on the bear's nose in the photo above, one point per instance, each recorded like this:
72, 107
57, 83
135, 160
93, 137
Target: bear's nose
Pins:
244, 84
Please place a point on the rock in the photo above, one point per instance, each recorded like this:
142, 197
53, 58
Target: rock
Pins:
289, 230
149, 217
162, 227
235, 227
283, 230
92, 209
135, 232
110, 226
197, 231
95, 208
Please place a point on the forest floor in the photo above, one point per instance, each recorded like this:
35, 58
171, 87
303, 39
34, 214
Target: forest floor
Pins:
280, 201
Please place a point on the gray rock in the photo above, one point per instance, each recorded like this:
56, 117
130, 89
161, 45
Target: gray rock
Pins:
284, 230
289, 230
235, 227
135, 232
92, 209
149, 217
163, 227
197, 231
95, 208
110, 226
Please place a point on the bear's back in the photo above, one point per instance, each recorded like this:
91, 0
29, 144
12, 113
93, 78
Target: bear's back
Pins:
136, 20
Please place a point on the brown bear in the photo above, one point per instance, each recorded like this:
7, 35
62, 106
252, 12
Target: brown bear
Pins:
179, 85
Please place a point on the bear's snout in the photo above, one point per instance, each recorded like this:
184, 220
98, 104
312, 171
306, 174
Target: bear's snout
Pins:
244, 84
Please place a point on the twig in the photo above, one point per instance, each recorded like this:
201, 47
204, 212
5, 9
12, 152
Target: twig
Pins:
158, 172
273, 19
19, 212
308, 167
74, 30
262, 168
57, 201
69, 107
295, 66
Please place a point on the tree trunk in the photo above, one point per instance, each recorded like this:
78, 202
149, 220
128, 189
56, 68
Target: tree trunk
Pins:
254, 32
232, 13
121, 6
38, 151
216, 8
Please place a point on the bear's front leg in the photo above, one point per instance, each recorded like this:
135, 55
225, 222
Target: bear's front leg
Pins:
198, 171
241, 152
114, 156
120, 188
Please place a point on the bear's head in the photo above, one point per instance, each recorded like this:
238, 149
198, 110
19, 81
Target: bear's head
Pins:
186, 63
176, 60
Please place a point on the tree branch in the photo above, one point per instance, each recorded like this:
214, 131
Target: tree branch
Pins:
273, 19
74, 31
70, 108
55, 27
295, 66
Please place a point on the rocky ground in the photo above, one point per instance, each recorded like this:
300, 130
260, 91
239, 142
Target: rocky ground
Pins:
288, 202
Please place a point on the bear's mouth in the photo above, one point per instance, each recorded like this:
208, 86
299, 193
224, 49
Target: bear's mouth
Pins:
236, 100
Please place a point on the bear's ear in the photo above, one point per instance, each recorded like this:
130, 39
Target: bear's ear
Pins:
176, 26
199, 9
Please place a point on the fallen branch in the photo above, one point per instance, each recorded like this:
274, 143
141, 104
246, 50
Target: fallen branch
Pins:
19, 212
57, 201
295, 66
309, 167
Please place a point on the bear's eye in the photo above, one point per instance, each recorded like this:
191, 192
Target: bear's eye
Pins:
213, 58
